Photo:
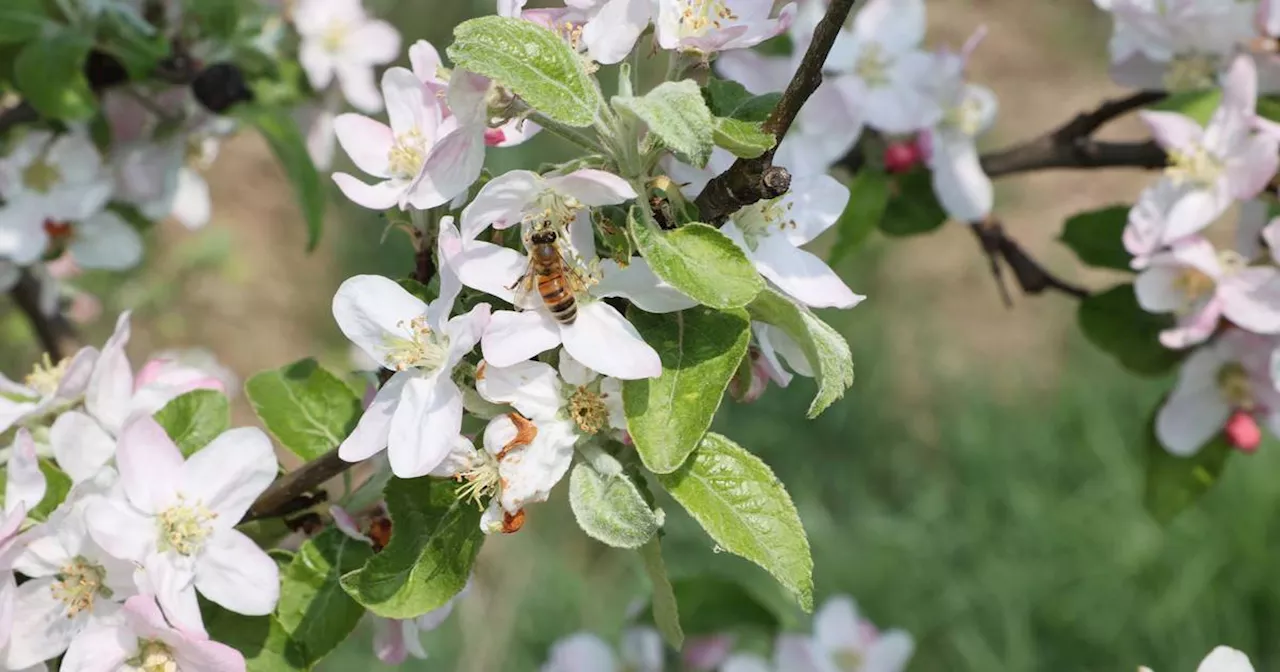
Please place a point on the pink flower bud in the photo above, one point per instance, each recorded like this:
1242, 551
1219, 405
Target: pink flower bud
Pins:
494, 137
901, 156
1243, 432
707, 652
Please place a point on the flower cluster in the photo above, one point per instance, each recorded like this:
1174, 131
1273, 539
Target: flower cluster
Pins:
841, 640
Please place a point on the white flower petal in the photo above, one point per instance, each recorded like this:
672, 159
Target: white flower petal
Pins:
605, 341
366, 141
110, 388
612, 33
802, 275
26, 484
42, 627
637, 283
120, 529
490, 268
533, 388
233, 572
80, 445
230, 472
373, 312
593, 188
812, 206
104, 646
150, 465
1190, 417
516, 336
106, 241
1225, 659
370, 435
501, 202
890, 652
171, 578
424, 426
380, 196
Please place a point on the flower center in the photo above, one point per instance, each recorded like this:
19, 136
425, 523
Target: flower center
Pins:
965, 116
700, 15
1197, 167
757, 221
872, 66
46, 376
407, 155
482, 479
78, 583
41, 176
1234, 386
423, 349
1191, 72
152, 656
847, 660
335, 36
552, 206
587, 409
1194, 285
184, 527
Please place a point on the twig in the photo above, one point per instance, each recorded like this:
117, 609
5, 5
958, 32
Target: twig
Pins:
1031, 276
279, 498
55, 333
752, 180
22, 113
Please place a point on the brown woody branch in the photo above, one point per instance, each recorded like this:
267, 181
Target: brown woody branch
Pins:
752, 180
54, 331
1030, 275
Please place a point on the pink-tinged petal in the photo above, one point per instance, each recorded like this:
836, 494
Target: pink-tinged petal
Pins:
119, 529
1195, 327
346, 524
1157, 290
233, 572
514, 132
642, 649
171, 578
374, 312
812, 206
798, 653
1239, 100
1225, 659
516, 336
1172, 130
448, 246
770, 364
1196, 209
1251, 299
424, 426
150, 465
80, 445
105, 241
1271, 234
202, 655
103, 646
890, 652
366, 141
42, 627
1250, 168
603, 340
358, 87
1196, 252
745, 662
802, 275
757, 31
374, 42
8, 594
837, 626
637, 283
1250, 228
425, 61
380, 196
612, 33
79, 372
111, 384
465, 331
898, 25
370, 435
452, 166
468, 97
533, 388
410, 105
501, 202
230, 472
705, 653
490, 268
26, 484
389, 641
317, 63
593, 188
582, 652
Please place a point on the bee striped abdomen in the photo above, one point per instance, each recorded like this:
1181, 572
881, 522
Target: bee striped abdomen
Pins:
557, 297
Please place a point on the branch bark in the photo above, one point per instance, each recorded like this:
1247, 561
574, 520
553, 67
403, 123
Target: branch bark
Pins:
752, 180
55, 333
1032, 277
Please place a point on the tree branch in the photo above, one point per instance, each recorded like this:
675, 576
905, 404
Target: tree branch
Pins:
752, 180
55, 333
278, 499
1032, 277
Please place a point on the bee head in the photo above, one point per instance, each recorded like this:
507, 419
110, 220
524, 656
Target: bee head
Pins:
543, 237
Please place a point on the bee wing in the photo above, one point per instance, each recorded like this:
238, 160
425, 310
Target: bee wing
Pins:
524, 284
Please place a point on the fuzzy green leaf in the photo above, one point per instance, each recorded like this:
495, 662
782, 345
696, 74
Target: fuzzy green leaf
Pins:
825, 349
743, 138
1113, 321
313, 608
49, 73
306, 408
700, 350
744, 508
610, 509
676, 113
21, 20
666, 613
1199, 105
1174, 483
535, 63
727, 98
699, 261
434, 541
265, 644
194, 419
1096, 237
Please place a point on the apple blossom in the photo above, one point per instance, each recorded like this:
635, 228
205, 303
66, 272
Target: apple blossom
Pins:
525, 197
1212, 167
137, 637
25, 486
53, 177
1221, 659
708, 26
429, 68
585, 652
1175, 45
1200, 285
577, 393
423, 158
101, 241
418, 412
842, 640
968, 110
47, 387
176, 518
1232, 373
340, 40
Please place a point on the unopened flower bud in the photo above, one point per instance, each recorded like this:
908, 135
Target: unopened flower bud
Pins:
901, 156
1242, 432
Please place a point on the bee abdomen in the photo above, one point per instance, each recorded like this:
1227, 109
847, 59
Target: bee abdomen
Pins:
564, 311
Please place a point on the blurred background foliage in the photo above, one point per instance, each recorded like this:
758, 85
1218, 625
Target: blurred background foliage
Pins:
980, 485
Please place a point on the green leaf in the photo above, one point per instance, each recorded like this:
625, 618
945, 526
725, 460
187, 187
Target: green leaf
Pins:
21, 20
743, 138
744, 508
827, 352
1096, 237
610, 509
912, 209
306, 408
264, 642
313, 608
700, 350
434, 541
666, 613
1199, 105
139, 51
48, 72
676, 113
290, 148
713, 605
1113, 321
730, 99
423, 292
194, 419
868, 201
535, 63
699, 261
1174, 483
217, 18
57, 487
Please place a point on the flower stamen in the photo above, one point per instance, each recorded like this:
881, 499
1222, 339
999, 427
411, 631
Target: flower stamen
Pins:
1196, 167
152, 656
423, 349
184, 527
587, 409
78, 583
46, 376
1234, 386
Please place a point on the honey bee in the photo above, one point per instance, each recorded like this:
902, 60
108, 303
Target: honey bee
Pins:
555, 278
